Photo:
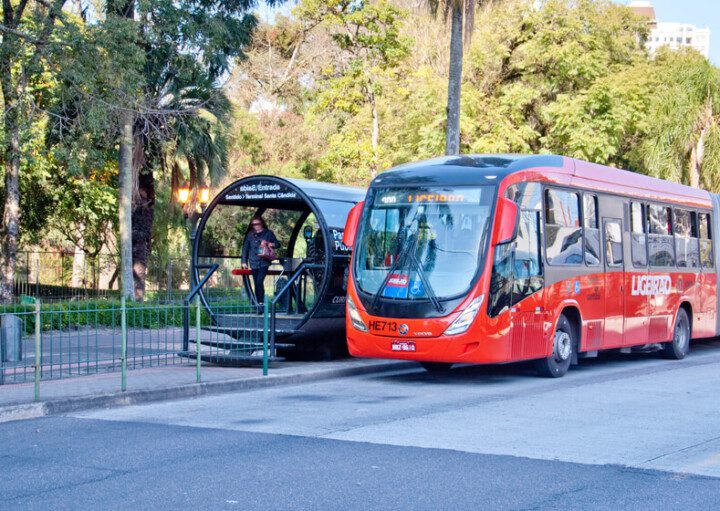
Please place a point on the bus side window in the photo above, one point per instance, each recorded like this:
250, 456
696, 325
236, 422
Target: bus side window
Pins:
526, 195
563, 232
500, 294
660, 239
613, 244
686, 242
706, 248
638, 237
592, 232
527, 269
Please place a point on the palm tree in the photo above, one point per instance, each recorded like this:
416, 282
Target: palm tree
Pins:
189, 128
198, 143
685, 125
462, 21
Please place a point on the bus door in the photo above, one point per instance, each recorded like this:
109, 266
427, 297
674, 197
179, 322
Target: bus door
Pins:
637, 315
527, 290
614, 282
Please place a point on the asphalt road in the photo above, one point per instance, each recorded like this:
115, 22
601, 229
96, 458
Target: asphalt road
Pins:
627, 432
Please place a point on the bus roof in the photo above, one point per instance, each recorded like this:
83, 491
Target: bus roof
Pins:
481, 169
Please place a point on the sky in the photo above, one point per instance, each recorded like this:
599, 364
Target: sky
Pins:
702, 13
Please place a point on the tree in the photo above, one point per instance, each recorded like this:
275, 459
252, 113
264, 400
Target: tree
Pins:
188, 46
462, 21
659, 117
683, 127
368, 34
27, 31
56, 74
124, 10
529, 63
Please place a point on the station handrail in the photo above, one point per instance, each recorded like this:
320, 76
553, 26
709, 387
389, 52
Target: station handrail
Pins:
212, 268
288, 285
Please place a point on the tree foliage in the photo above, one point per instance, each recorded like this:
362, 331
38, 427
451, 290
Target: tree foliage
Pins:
338, 90
557, 76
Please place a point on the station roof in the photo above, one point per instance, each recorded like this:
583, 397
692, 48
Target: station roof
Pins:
329, 191
282, 193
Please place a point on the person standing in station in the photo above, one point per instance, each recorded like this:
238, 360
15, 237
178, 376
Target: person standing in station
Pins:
259, 251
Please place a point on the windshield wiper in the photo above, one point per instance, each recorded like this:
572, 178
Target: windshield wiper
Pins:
408, 253
400, 258
428, 288
395, 266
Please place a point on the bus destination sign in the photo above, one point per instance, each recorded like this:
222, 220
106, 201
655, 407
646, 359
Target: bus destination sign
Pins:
438, 196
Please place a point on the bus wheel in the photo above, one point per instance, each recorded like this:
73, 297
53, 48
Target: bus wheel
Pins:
436, 367
557, 364
680, 344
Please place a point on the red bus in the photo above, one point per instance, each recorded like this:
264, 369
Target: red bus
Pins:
493, 259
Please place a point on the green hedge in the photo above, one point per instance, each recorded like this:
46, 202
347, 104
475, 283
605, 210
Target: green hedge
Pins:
107, 313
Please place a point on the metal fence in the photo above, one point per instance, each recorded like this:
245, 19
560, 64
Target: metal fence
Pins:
67, 339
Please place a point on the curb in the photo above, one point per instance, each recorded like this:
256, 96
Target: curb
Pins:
23, 411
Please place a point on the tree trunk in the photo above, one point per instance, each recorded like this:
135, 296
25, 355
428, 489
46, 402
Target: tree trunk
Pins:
192, 170
142, 219
11, 208
79, 271
697, 153
452, 128
375, 136
125, 163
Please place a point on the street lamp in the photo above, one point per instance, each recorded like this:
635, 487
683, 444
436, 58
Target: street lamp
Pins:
184, 194
193, 210
204, 196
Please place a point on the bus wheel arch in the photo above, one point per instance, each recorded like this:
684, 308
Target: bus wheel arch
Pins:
572, 313
685, 304
565, 343
679, 344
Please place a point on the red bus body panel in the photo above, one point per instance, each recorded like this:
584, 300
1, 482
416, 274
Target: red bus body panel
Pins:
615, 308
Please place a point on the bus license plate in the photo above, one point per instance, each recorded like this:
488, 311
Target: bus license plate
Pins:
403, 346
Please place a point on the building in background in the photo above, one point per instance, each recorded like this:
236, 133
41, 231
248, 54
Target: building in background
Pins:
674, 35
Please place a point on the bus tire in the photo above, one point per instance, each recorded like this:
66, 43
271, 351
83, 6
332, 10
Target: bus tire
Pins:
436, 367
679, 346
564, 343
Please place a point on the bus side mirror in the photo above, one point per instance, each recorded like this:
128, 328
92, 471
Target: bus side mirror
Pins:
506, 221
351, 224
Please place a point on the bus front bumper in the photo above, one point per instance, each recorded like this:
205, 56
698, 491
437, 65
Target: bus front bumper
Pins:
456, 348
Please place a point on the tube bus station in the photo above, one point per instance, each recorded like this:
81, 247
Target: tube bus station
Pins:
305, 275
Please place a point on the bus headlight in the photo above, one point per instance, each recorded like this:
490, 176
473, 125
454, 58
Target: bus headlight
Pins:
355, 317
466, 317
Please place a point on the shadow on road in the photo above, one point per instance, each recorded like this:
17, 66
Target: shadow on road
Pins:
504, 373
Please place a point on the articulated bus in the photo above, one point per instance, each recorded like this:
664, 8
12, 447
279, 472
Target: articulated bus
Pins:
494, 259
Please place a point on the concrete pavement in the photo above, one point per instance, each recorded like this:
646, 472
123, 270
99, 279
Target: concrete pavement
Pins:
162, 383
622, 432
66, 463
637, 411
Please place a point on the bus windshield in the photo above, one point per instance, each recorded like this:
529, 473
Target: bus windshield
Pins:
423, 243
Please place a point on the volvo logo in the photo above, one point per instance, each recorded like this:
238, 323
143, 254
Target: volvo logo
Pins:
403, 329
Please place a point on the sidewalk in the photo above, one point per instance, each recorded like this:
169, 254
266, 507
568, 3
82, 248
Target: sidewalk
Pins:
170, 382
